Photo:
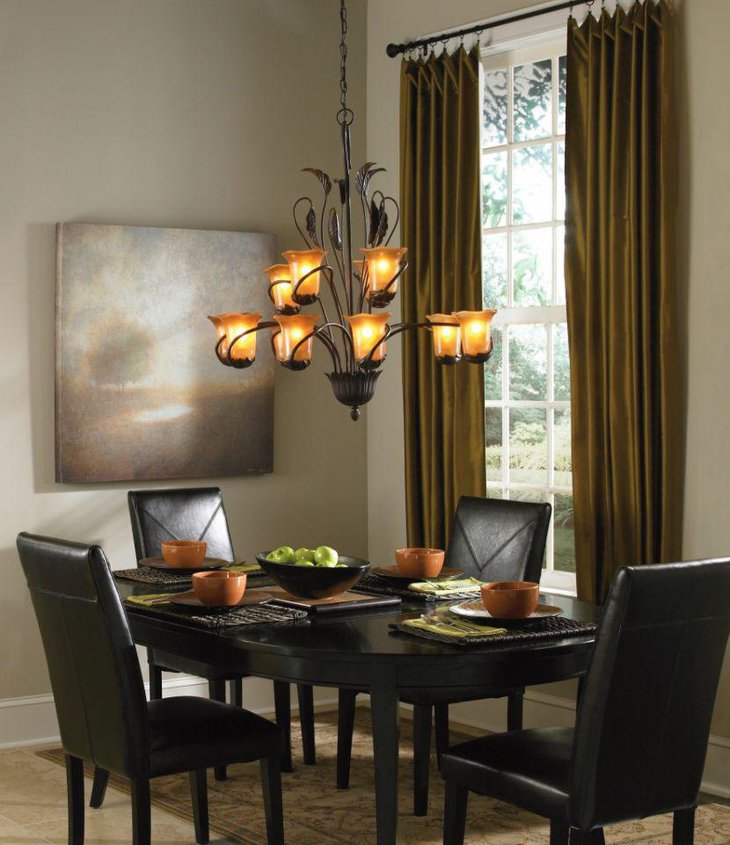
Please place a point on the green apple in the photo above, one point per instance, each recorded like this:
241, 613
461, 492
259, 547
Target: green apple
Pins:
284, 554
326, 556
301, 561
304, 554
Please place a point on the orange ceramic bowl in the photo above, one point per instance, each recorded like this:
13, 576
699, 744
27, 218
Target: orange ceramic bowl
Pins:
184, 553
219, 588
419, 563
510, 599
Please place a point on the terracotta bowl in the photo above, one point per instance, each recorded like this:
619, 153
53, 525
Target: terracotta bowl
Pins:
419, 563
219, 588
510, 599
184, 553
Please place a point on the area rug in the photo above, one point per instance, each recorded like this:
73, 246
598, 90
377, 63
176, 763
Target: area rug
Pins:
316, 813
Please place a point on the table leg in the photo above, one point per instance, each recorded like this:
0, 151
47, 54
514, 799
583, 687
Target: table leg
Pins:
384, 713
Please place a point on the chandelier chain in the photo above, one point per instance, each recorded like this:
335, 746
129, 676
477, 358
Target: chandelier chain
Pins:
345, 115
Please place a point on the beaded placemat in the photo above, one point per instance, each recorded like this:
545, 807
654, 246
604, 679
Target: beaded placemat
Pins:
163, 577
555, 627
371, 583
257, 614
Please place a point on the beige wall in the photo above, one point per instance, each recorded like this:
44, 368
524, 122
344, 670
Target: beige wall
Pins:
161, 113
703, 232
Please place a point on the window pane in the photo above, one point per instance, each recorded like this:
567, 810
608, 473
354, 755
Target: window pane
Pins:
528, 445
533, 91
532, 266
494, 190
561, 440
562, 88
493, 425
532, 183
560, 265
560, 208
494, 113
564, 535
561, 364
528, 362
494, 492
493, 369
494, 270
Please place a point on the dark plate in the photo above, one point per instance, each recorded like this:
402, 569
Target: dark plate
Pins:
447, 573
161, 563
315, 582
249, 597
474, 611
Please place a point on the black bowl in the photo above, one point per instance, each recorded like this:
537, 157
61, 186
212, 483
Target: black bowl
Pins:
315, 582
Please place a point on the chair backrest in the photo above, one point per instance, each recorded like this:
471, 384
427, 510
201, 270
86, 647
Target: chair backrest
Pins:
499, 540
188, 514
644, 717
95, 675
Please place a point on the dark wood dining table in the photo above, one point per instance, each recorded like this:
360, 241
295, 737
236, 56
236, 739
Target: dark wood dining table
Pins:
360, 650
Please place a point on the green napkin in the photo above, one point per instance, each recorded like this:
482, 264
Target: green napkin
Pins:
243, 567
446, 588
150, 599
439, 622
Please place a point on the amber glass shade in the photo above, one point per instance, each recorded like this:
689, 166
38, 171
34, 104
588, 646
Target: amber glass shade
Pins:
476, 332
301, 262
383, 263
367, 330
231, 326
293, 329
446, 339
280, 288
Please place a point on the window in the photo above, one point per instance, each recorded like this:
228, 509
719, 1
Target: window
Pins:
527, 380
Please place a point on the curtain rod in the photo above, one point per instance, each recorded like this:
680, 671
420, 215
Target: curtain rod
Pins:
394, 50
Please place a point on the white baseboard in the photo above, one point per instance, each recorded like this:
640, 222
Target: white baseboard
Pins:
31, 720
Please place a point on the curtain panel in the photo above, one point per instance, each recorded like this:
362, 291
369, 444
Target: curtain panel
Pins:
441, 226
626, 378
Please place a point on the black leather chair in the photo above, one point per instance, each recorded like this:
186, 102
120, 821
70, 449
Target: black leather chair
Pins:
100, 701
643, 720
493, 540
199, 513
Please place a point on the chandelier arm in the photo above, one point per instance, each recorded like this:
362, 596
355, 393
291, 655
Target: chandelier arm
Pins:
364, 285
394, 225
334, 352
221, 358
306, 240
267, 324
395, 278
392, 331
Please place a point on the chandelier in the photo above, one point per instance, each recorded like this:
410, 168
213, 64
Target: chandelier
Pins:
359, 288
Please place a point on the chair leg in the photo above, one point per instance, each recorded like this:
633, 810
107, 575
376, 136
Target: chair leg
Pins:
683, 832
217, 691
155, 674
345, 728
514, 710
421, 757
586, 837
441, 719
559, 832
273, 809
75, 789
282, 706
199, 794
141, 821
98, 789
235, 691
455, 813
305, 694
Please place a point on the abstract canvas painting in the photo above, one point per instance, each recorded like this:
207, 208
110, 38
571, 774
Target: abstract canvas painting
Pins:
139, 391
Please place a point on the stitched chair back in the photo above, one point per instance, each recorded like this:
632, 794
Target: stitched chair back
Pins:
189, 514
498, 540
95, 676
644, 718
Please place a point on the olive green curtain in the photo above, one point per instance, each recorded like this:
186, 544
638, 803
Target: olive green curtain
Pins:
626, 383
441, 226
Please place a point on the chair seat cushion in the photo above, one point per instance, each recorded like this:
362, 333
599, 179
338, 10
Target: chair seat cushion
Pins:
198, 668
196, 733
528, 768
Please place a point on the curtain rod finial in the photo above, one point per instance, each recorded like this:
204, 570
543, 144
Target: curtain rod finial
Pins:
393, 50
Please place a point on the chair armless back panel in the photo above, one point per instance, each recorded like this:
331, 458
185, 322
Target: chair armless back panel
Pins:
644, 717
189, 514
95, 675
498, 540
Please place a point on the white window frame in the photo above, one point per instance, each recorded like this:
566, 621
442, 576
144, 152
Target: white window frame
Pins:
508, 52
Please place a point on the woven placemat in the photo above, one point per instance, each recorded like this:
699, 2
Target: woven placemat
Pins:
555, 628
148, 575
257, 614
386, 587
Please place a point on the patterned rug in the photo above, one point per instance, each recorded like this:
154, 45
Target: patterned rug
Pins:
316, 813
